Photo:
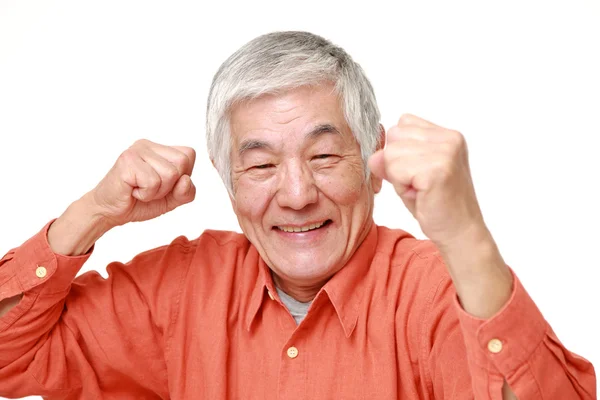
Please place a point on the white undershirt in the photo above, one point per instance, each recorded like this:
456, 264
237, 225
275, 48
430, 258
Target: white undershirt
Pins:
295, 307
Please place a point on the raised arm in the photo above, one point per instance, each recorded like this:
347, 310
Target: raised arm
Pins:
511, 350
43, 349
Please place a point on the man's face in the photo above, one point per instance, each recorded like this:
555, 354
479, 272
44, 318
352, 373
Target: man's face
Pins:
301, 196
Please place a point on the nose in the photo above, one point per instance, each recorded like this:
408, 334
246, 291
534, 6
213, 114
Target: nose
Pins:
296, 186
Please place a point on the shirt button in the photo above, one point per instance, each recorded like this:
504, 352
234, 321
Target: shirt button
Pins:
292, 352
41, 272
495, 346
271, 295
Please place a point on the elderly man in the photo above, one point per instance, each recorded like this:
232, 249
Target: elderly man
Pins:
313, 301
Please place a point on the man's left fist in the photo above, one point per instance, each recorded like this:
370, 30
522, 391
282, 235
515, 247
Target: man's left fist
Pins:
429, 168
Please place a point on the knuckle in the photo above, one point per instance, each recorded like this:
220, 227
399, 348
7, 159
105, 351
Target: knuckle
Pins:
448, 148
192, 160
406, 118
192, 152
457, 138
394, 133
127, 157
140, 143
181, 163
151, 181
171, 173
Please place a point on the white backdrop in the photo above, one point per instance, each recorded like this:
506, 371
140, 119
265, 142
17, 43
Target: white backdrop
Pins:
80, 81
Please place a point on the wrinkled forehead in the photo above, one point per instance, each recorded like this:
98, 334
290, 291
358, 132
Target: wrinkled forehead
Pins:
304, 113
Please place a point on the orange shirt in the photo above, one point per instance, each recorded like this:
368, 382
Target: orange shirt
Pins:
201, 319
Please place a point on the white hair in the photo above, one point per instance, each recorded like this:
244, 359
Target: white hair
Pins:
280, 61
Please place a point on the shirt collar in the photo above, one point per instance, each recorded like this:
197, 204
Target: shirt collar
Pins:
264, 280
344, 289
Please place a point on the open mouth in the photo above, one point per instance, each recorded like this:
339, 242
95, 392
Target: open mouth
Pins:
306, 228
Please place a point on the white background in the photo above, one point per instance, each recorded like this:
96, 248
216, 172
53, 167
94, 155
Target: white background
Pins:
80, 81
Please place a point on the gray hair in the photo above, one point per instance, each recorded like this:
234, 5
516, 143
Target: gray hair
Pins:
280, 61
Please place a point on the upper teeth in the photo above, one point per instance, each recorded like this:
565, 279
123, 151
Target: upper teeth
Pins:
301, 228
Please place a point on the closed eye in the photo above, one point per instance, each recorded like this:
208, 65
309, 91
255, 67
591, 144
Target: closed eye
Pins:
322, 156
263, 166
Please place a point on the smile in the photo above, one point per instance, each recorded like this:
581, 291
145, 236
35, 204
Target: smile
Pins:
303, 228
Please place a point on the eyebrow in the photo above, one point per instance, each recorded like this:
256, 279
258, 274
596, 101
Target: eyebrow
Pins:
322, 129
254, 144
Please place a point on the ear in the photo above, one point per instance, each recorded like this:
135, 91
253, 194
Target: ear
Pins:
377, 182
381, 138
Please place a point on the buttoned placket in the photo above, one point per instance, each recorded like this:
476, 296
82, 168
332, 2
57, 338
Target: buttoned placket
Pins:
293, 361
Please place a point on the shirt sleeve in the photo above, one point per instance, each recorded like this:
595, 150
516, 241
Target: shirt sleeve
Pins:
88, 336
517, 344
470, 357
34, 270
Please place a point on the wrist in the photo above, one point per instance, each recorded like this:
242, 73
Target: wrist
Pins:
474, 242
78, 228
482, 280
475, 234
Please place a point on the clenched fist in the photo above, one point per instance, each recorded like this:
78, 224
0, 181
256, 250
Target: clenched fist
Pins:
148, 180
429, 168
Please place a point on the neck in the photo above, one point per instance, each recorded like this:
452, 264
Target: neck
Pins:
302, 293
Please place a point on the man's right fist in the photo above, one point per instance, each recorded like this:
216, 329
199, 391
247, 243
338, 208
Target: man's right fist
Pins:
148, 180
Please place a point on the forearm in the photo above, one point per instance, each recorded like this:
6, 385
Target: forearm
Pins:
527, 359
77, 229
482, 280
72, 234
35, 282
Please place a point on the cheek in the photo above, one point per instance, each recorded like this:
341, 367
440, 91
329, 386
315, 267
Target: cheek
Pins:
343, 188
252, 199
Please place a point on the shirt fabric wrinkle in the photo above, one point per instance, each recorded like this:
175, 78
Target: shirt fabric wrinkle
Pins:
387, 325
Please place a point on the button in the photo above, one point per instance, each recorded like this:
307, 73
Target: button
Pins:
271, 295
41, 272
292, 352
495, 346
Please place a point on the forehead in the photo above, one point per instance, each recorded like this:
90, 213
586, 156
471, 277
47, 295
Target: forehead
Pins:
288, 114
